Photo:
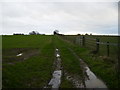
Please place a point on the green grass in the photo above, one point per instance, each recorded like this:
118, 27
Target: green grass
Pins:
104, 69
25, 41
69, 61
34, 71
66, 84
91, 44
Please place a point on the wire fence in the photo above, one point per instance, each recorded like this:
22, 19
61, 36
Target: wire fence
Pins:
102, 45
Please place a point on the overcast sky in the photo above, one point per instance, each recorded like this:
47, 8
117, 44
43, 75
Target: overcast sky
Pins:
94, 17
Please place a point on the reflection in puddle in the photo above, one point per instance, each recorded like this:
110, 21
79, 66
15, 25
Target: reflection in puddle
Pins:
56, 80
92, 81
57, 55
19, 54
56, 49
57, 74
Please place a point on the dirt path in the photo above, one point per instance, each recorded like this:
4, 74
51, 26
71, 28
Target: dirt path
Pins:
57, 74
90, 79
77, 83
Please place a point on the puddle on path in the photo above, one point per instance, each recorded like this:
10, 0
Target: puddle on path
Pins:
57, 74
57, 55
19, 54
56, 80
92, 81
74, 80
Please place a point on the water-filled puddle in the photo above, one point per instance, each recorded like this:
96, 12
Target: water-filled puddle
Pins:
57, 74
19, 54
92, 81
56, 49
57, 55
56, 80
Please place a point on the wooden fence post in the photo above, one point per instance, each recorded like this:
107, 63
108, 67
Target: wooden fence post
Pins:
97, 45
80, 40
107, 48
83, 41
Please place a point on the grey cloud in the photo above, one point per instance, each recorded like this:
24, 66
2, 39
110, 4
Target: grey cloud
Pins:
69, 18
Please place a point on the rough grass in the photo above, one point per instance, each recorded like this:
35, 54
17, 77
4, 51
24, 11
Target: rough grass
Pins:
34, 71
37, 70
91, 44
10, 55
70, 63
105, 70
25, 41
66, 84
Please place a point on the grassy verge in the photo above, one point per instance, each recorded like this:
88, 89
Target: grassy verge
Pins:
90, 43
32, 72
36, 70
70, 63
66, 84
25, 41
103, 68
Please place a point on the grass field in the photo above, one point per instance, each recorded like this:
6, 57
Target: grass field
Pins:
90, 43
104, 68
27, 71
34, 68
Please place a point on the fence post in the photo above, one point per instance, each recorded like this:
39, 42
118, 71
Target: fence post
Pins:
80, 41
83, 41
107, 48
97, 45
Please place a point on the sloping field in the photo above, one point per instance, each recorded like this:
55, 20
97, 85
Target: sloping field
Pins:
28, 61
90, 43
33, 68
105, 69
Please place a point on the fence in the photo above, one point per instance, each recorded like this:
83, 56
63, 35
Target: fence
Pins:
102, 45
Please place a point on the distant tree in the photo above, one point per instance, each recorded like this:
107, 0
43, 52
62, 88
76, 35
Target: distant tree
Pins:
34, 33
86, 34
90, 33
56, 32
78, 34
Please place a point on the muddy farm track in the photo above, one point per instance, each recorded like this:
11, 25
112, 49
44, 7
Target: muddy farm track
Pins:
53, 62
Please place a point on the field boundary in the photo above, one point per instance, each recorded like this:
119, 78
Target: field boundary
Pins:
93, 44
